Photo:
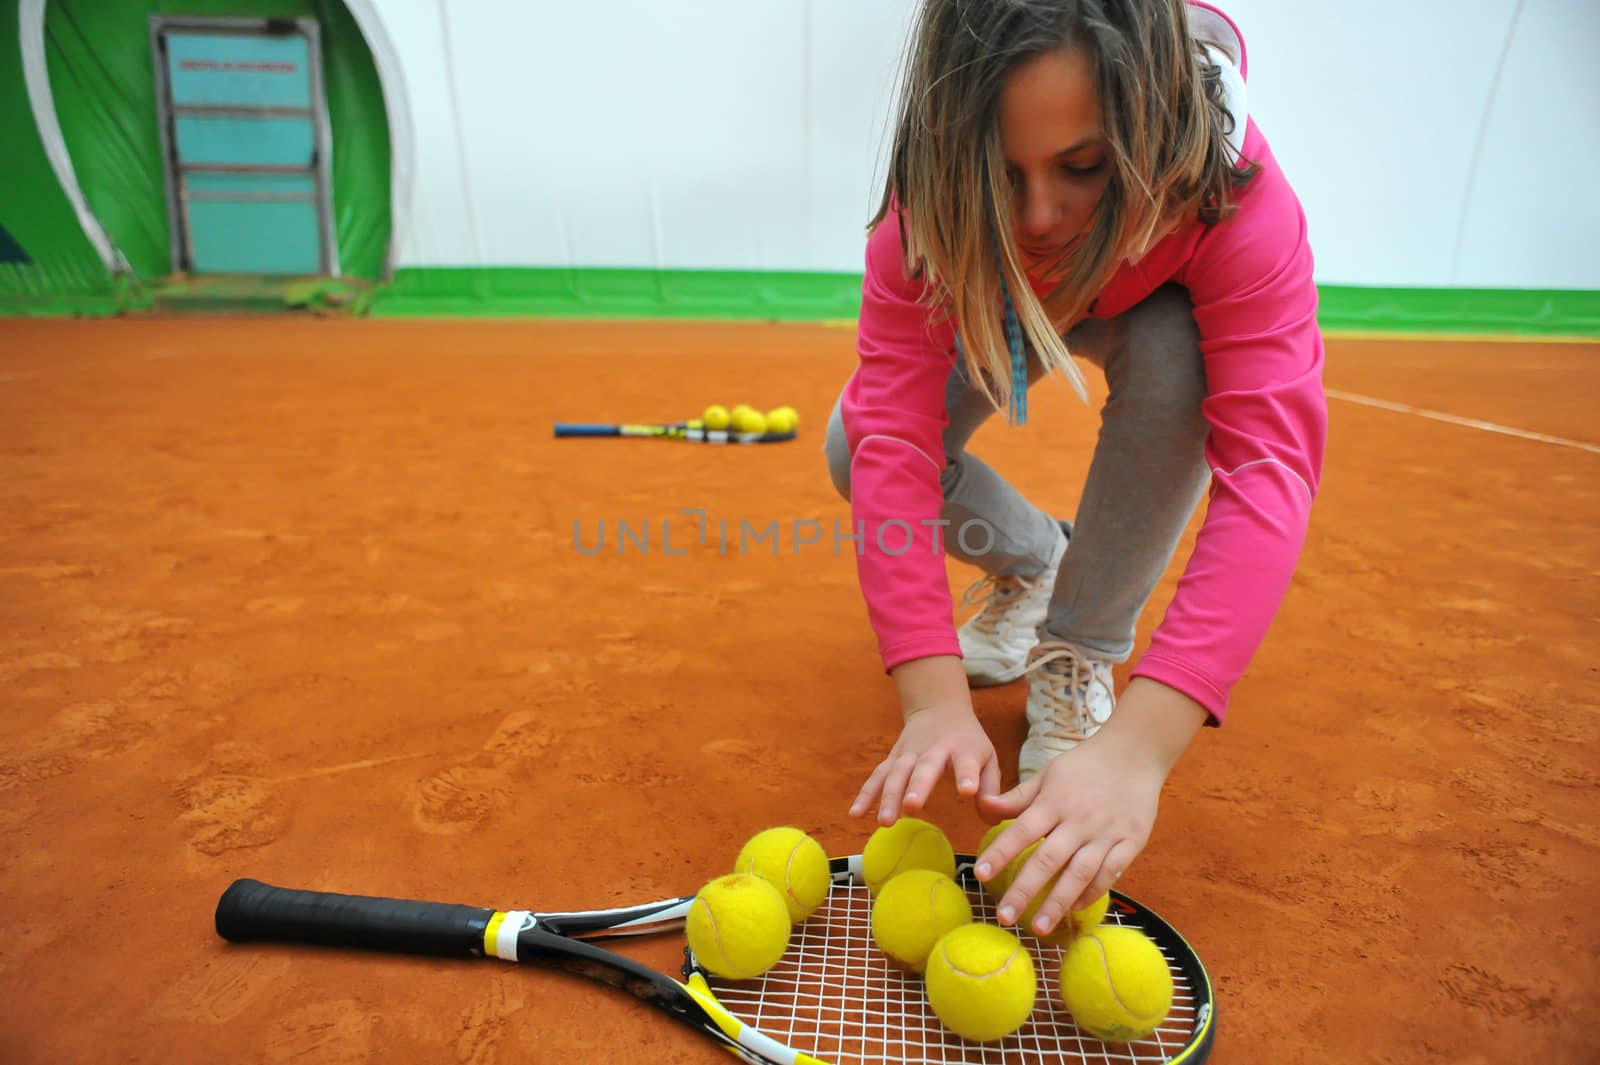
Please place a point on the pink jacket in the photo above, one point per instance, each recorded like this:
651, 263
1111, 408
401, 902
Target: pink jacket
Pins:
1250, 280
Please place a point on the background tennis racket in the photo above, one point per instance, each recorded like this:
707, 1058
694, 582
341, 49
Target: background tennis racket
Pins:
832, 999
677, 431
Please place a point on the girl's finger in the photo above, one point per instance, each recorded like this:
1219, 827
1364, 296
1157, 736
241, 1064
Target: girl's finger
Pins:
989, 779
870, 790
1117, 859
1027, 827
1033, 875
968, 770
924, 778
894, 787
1063, 894
1013, 802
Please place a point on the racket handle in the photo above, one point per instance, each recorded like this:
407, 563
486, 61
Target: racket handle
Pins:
587, 429
251, 910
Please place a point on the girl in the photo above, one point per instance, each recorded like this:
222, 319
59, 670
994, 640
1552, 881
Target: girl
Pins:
1076, 176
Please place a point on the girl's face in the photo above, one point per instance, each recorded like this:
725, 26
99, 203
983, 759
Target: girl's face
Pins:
1054, 149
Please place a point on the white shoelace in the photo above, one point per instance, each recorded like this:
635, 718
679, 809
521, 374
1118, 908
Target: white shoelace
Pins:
1068, 677
996, 595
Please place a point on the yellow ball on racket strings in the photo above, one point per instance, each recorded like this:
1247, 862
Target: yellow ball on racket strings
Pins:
792, 862
981, 982
716, 417
1074, 924
1090, 916
781, 420
738, 926
909, 843
749, 421
913, 911
995, 887
1116, 983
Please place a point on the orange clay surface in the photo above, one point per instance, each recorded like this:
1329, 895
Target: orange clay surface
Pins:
300, 600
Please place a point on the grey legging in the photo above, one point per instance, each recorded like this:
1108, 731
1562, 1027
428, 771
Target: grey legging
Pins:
1147, 475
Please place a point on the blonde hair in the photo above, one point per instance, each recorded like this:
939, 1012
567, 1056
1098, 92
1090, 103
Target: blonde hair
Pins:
1165, 128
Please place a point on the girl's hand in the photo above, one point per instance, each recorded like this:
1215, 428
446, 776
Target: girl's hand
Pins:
935, 737
940, 731
1093, 807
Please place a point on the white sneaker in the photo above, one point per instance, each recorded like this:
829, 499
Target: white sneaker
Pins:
1070, 695
996, 640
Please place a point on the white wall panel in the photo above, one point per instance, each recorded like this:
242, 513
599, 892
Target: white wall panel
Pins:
751, 135
438, 231
1533, 216
1372, 107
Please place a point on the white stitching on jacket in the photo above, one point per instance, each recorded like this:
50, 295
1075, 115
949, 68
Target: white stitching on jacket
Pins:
897, 440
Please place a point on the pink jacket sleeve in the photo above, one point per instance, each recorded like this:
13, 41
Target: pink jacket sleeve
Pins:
894, 417
1255, 303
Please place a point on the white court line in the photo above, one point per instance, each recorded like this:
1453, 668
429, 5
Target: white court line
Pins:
1471, 423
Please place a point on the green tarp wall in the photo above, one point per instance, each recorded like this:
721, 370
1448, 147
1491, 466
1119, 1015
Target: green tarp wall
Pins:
101, 75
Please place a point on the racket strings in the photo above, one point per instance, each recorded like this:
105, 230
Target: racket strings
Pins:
836, 997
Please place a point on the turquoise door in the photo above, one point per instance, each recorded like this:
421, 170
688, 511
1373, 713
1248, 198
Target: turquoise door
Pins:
246, 174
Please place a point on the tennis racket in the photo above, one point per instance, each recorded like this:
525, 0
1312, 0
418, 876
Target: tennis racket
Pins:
832, 999
693, 433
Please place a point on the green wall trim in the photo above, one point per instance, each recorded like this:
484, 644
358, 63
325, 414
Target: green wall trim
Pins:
739, 295
1491, 312
745, 295
67, 294
604, 293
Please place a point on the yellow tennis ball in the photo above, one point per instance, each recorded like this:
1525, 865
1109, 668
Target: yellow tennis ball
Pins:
909, 843
755, 422
996, 885
1076, 922
716, 417
738, 926
913, 911
1091, 915
792, 862
786, 412
981, 982
1115, 983
781, 420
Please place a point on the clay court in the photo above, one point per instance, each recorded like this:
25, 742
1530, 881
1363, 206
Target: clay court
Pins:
318, 602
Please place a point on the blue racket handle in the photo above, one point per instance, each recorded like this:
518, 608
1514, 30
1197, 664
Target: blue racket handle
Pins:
587, 429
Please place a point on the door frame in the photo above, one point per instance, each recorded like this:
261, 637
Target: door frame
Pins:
179, 239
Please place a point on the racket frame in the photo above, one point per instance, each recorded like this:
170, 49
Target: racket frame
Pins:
675, 431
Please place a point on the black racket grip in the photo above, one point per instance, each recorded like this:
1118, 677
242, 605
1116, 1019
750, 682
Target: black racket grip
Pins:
251, 910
